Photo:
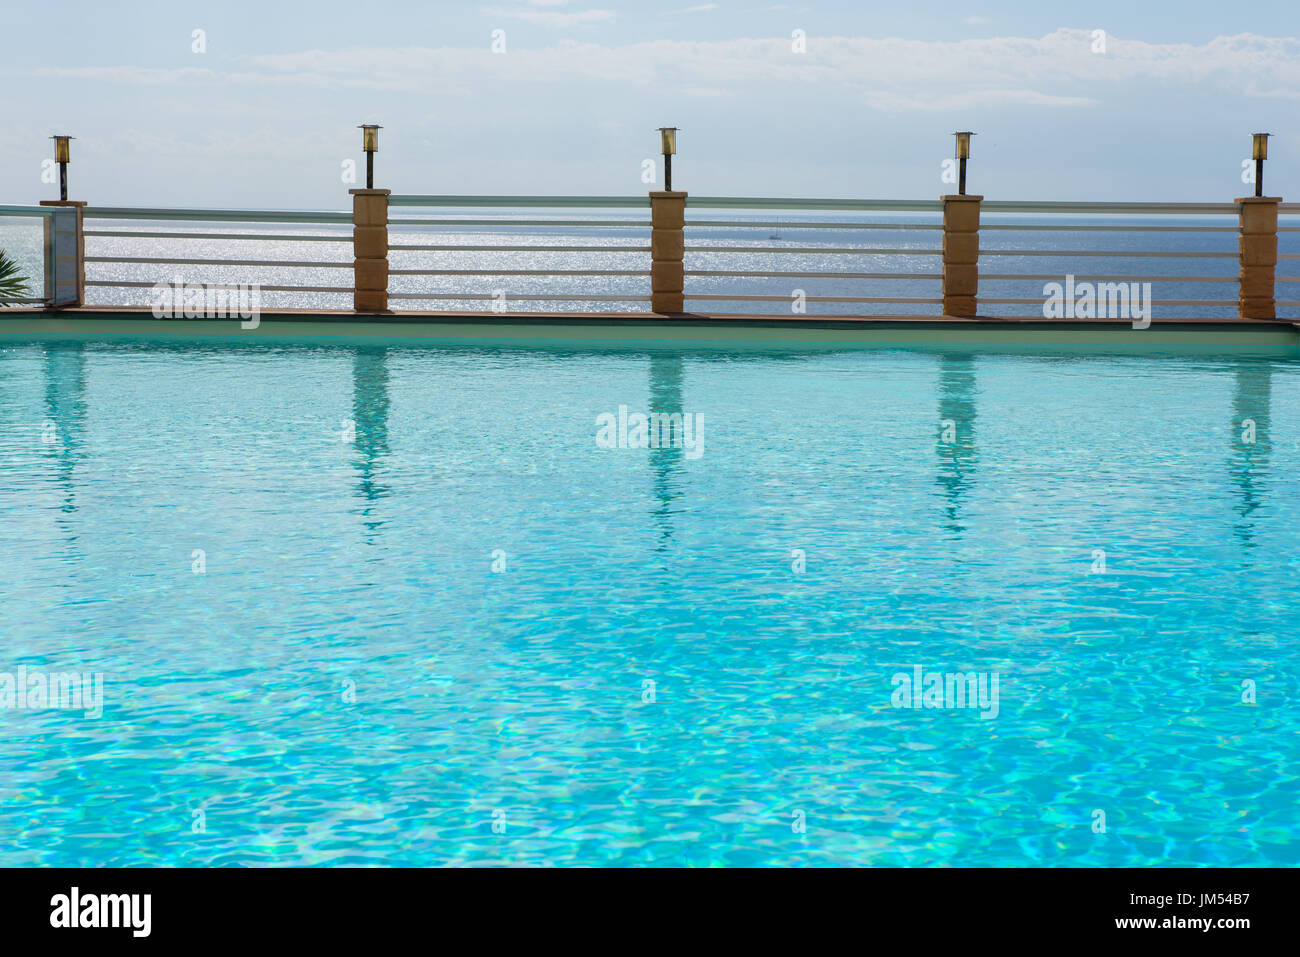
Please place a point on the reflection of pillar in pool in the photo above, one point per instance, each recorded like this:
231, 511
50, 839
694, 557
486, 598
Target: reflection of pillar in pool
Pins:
370, 413
956, 432
65, 410
1251, 445
665, 397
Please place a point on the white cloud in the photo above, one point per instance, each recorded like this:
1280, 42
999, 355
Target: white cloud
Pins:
892, 102
699, 91
549, 18
976, 20
888, 74
1273, 94
159, 76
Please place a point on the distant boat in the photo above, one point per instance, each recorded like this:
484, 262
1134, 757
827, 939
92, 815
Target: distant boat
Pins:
774, 236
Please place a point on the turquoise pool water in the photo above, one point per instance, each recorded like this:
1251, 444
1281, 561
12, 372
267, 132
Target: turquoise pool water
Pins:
341, 676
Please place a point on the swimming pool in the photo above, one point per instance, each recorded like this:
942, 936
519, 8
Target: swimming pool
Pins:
394, 604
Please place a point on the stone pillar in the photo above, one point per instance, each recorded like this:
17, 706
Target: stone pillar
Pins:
1257, 247
667, 249
370, 249
67, 253
961, 254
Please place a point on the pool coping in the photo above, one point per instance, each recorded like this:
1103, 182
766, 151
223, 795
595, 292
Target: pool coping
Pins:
1279, 335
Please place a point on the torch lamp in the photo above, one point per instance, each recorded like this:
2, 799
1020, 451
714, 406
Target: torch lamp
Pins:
61, 154
1259, 153
668, 142
370, 143
963, 154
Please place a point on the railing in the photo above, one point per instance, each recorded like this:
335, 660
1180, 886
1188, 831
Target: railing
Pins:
198, 261
1082, 257
713, 243
505, 277
824, 274
994, 250
572, 253
34, 250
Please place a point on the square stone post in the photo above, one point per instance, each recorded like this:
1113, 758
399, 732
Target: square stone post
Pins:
961, 254
1257, 248
67, 252
370, 249
667, 249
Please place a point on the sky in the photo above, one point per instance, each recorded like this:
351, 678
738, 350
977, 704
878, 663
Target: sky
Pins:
265, 114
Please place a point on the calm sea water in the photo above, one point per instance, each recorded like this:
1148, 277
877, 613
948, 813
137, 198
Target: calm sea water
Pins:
394, 605
799, 232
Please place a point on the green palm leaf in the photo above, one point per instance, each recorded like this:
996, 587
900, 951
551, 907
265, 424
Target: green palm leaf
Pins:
13, 285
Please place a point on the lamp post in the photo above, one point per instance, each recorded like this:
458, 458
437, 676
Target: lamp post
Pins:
963, 154
61, 153
370, 143
668, 143
1259, 153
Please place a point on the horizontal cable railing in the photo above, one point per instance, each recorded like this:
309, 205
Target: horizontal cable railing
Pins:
552, 264
1193, 239
1165, 289
778, 268
812, 256
209, 258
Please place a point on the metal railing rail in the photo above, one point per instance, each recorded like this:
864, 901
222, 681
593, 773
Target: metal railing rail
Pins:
419, 247
515, 297
488, 224
186, 234
860, 205
522, 202
150, 284
219, 215
13, 210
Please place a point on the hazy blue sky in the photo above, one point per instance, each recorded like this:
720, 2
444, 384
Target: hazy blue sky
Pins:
266, 115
